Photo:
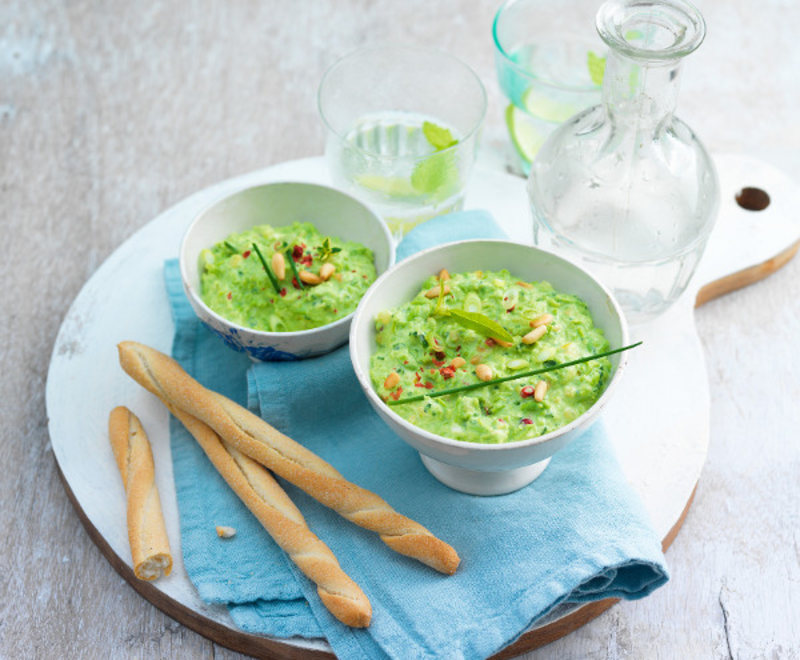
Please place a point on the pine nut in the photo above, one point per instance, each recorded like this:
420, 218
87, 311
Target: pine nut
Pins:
475, 359
504, 344
391, 380
484, 372
534, 335
434, 291
458, 362
444, 275
225, 532
279, 265
309, 278
325, 271
540, 391
544, 319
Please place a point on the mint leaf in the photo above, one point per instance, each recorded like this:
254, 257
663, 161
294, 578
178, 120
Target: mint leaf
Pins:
440, 138
597, 67
326, 250
436, 174
481, 324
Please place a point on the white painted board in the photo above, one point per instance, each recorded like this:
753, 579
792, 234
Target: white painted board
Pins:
658, 422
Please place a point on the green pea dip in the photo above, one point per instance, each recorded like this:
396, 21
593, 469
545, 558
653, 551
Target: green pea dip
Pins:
420, 346
236, 286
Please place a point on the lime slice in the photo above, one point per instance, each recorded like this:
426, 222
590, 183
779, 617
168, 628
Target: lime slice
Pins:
391, 186
545, 107
524, 136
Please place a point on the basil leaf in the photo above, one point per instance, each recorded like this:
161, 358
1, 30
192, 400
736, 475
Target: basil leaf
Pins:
481, 324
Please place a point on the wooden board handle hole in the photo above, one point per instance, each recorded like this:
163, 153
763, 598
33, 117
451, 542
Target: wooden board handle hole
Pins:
752, 199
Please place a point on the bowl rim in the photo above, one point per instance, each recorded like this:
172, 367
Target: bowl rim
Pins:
588, 415
196, 299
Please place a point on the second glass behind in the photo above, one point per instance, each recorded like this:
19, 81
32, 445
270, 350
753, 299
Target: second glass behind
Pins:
403, 128
550, 65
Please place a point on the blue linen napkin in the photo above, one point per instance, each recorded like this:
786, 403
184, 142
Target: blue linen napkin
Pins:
577, 534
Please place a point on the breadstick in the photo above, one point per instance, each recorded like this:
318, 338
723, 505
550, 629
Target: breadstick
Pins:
252, 436
147, 532
268, 502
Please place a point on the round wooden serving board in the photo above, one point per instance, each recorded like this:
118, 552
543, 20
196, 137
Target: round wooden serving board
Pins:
660, 431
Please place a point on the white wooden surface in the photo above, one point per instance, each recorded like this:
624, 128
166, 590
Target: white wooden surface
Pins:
110, 113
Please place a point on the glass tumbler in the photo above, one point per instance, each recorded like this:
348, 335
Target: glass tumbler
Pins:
549, 62
403, 129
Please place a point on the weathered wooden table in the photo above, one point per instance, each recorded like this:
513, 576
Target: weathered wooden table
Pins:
111, 113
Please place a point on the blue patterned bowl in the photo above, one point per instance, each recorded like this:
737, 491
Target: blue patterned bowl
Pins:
332, 212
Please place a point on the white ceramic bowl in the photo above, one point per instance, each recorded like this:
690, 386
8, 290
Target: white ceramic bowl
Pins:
332, 212
470, 467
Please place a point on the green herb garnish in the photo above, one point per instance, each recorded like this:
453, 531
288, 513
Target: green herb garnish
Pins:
438, 172
432, 394
440, 308
440, 138
230, 246
268, 270
476, 321
290, 259
480, 323
326, 251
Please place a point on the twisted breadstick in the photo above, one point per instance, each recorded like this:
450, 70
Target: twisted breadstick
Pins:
147, 532
269, 503
252, 436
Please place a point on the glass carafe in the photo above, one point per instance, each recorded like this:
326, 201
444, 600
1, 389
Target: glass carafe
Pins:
626, 188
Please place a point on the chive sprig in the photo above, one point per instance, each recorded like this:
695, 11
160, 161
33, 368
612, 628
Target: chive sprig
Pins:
432, 394
290, 259
268, 270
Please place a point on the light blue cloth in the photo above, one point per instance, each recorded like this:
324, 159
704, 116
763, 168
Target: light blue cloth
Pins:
577, 534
